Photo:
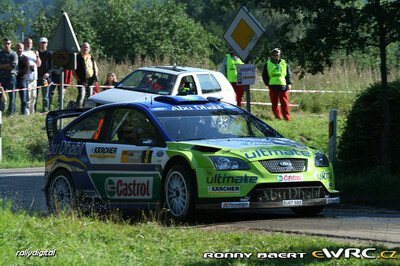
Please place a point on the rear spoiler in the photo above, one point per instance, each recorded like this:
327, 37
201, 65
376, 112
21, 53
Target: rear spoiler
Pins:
52, 127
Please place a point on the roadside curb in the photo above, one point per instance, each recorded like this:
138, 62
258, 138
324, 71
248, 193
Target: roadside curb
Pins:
22, 170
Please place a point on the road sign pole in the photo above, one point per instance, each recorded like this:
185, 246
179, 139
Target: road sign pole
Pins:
248, 98
62, 90
332, 134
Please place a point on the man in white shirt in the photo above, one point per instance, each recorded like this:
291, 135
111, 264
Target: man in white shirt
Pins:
31, 77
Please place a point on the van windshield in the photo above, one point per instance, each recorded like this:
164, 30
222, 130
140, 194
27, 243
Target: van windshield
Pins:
149, 82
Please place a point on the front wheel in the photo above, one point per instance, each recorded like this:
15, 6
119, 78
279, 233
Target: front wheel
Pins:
308, 211
61, 194
179, 192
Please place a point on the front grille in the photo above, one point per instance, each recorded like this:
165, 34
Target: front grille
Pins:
290, 193
285, 165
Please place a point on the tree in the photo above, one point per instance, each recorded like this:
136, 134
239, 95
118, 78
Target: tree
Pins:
333, 25
11, 20
133, 29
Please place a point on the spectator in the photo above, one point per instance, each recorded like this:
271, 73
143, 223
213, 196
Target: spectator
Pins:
44, 74
228, 68
86, 73
183, 89
111, 80
3, 99
23, 68
31, 78
278, 77
8, 71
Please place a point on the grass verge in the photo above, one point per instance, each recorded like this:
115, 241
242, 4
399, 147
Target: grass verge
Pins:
90, 241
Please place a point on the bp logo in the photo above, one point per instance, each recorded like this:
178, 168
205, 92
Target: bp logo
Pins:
110, 187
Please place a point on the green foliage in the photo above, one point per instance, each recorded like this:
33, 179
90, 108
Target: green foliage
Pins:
331, 26
359, 146
373, 188
11, 20
134, 30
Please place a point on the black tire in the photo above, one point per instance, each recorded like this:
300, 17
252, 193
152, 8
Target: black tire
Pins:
309, 210
179, 193
61, 193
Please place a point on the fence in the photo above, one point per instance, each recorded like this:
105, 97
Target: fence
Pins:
294, 91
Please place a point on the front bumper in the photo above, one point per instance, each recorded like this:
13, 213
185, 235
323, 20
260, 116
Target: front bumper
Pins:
245, 204
275, 196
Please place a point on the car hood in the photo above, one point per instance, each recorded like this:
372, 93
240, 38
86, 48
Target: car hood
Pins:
115, 95
254, 148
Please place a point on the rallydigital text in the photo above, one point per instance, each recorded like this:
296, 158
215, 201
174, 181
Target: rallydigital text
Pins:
36, 253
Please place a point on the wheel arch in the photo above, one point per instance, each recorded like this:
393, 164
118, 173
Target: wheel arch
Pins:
53, 173
184, 162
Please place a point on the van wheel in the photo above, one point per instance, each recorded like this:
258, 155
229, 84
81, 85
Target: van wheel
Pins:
308, 211
61, 194
179, 192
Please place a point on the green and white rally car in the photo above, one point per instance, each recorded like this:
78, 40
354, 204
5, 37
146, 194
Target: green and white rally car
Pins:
183, 153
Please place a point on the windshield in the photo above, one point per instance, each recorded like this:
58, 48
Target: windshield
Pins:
213, 124
148, 81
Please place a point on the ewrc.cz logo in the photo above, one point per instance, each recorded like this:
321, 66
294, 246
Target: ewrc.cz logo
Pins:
129, 187
367, 253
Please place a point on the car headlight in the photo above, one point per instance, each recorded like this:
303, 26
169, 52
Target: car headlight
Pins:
321, 160
228, 163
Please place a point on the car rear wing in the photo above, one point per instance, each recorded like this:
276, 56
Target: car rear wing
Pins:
54, 119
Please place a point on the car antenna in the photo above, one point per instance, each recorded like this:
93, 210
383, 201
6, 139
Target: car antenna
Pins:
151, 100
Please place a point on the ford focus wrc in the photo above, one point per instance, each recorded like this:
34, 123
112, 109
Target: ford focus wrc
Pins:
183, 153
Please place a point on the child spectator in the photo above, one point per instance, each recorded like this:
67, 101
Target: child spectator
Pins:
111, 80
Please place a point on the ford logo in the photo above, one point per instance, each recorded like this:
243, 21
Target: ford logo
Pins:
285, 164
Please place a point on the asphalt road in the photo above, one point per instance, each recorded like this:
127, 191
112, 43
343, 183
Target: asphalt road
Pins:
347, 223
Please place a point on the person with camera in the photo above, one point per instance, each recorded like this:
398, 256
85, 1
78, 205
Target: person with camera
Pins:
45, 74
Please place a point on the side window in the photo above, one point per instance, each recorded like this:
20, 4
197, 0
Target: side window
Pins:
190, 84
129, 126
209, 83
88, 129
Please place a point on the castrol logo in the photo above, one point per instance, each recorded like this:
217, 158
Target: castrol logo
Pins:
290, 178
129, 187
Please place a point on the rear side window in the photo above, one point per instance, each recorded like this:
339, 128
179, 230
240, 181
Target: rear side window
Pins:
130, 126
88, 129
209, 83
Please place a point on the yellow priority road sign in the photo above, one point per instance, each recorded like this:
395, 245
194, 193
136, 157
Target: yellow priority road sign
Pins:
243, 33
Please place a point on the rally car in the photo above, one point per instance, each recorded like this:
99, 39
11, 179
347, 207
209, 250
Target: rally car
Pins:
181, 153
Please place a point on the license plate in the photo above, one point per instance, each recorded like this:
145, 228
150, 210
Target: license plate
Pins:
292, 202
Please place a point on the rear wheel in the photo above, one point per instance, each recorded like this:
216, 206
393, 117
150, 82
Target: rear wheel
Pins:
179, 192
61, 194
309, 210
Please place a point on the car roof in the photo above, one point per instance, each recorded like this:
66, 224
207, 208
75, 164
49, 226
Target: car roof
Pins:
176, 70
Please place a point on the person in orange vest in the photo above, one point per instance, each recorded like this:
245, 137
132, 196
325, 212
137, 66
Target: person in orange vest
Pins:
277, 76
228, 68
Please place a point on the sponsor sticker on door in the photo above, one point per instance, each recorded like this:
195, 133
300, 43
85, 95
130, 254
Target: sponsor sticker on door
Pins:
129, 187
